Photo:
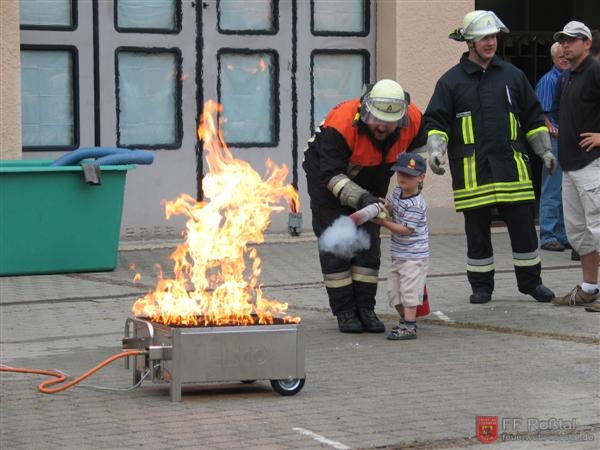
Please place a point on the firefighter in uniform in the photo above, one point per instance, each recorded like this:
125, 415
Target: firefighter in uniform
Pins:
347, 165
481, 113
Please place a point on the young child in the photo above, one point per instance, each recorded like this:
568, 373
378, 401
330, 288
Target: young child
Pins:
409, 243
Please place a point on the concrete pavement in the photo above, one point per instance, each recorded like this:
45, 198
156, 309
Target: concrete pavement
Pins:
530, 364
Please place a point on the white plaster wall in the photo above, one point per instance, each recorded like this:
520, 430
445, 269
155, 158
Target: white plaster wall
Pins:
10, 81
413, 48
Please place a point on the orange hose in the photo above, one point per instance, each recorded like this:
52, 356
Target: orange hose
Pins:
60, 377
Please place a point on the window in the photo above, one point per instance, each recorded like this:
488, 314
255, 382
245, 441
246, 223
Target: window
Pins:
149, 16
248, 92
247, 16
47, 14
340, 17
48, 92
336, 76
148, 98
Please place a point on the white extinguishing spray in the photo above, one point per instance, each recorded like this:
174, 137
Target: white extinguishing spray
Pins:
343, 238
365, 214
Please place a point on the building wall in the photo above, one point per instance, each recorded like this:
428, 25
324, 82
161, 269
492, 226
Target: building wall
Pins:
10, 86
412, 47
420, 52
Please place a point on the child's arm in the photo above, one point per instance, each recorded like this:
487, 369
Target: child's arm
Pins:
397, 228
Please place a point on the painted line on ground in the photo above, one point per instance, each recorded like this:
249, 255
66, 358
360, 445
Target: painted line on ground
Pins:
321, 439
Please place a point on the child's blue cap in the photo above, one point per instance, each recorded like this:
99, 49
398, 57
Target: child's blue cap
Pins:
410, 163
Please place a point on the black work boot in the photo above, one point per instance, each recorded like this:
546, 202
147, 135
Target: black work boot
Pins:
542, 294
348, 322
480, 297
370, 321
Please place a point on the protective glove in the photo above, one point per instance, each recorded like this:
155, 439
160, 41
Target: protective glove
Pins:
370, 199
540, 144
367, 199
550, 162
436, 148
371, 211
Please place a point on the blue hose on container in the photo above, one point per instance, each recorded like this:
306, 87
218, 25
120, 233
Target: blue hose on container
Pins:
131, 157
103, 156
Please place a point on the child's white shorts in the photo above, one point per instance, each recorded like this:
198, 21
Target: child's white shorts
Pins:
406, 281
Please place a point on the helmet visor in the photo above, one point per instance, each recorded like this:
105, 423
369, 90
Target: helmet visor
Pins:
381, 110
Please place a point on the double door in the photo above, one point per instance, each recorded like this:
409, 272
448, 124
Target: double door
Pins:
141, 70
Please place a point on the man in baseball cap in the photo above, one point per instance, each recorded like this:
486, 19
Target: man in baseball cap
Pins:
579, 157
573, 29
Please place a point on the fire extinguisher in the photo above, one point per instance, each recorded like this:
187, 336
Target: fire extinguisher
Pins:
423, 309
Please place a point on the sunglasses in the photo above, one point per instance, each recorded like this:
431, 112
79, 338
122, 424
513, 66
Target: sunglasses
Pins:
570, 39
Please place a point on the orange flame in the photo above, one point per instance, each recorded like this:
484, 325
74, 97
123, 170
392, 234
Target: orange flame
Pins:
215, 272
294, 204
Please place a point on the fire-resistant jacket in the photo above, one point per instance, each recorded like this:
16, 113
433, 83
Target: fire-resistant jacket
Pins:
344, 145
485, 115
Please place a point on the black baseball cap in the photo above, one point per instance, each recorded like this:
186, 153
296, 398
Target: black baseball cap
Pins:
410, 163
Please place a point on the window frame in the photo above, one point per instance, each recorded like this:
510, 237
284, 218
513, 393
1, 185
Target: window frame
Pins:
175, 30
72, 27
274, 15
274, 92
366, 73
75, 96
366, 23
178, 100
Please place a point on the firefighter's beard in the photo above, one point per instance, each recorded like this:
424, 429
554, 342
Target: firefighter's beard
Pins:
380, 131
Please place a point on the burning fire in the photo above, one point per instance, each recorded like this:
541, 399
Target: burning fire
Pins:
216, 273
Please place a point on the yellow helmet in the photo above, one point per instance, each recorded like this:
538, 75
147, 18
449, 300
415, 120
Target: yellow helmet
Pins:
477, 25
385, 102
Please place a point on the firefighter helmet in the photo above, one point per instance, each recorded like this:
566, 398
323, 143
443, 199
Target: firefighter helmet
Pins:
385, 102
477, 25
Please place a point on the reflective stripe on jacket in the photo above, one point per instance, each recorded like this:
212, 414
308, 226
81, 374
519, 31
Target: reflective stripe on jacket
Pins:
484, 115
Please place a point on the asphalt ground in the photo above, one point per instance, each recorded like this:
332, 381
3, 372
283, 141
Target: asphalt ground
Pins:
534, 366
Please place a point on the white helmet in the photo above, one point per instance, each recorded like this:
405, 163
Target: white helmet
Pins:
385, 102
477, 25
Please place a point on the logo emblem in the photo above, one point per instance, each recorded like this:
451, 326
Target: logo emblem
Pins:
487, 428
412, 164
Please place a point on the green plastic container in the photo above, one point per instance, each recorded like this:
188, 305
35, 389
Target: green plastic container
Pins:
52, 221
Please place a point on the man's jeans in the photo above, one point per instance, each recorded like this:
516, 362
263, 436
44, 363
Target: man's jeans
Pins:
552, 223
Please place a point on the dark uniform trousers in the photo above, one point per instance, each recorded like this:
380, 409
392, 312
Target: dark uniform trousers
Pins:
350, 283
519, 219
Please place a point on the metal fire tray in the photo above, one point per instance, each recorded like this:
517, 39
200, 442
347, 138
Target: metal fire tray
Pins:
179, 355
